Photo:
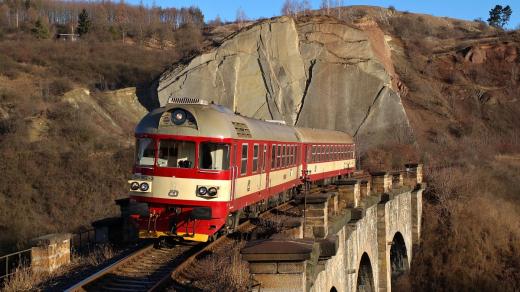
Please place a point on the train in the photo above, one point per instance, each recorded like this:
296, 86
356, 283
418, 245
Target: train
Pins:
200, 167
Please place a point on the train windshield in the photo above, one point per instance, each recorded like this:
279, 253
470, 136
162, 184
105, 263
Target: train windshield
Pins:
214, 156
145, 154
176, 153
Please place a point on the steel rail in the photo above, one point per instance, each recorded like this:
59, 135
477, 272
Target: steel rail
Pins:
131, 264
96, 276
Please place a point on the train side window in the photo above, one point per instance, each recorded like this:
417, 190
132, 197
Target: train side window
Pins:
255, 157
243, 165
313, 157
279, 157
214, 156
298, 154
291, 157
296, 147
295, 153
327, 152
286, 162
289, 153
273, 156
176, 153
145, 152
282, 158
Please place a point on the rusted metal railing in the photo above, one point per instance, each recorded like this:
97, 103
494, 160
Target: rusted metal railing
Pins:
11, 262
83, 240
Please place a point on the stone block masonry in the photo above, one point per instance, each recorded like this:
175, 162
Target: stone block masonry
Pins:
50, 252
359, 247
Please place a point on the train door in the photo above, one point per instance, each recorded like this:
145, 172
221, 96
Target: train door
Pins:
263, 170
260, 165
234, 171
269, 168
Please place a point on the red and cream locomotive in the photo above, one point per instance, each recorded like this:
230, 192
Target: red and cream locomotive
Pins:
199, 167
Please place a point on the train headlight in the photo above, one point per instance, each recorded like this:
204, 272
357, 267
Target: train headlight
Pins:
202, 191
212, 191
178, 117
144, 187
134, 186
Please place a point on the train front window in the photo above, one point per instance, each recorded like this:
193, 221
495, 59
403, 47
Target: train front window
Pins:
214, 156
176, 153
145, 153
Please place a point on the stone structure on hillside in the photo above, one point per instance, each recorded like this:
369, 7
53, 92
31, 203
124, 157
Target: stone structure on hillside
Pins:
357, 238
50, 252
317, 72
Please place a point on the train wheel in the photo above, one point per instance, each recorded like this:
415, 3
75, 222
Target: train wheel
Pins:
213, 237
232, 222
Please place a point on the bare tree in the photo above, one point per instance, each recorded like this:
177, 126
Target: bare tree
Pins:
122, 18
241, 17
306, 7
294, 7
288, 8
325, 4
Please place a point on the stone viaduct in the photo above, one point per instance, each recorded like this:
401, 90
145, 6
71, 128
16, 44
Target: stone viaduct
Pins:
358, 237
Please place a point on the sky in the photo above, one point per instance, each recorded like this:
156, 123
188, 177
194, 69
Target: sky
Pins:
463, 9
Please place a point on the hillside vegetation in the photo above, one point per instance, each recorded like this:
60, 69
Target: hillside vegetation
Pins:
68, 109
463, 102
66, 126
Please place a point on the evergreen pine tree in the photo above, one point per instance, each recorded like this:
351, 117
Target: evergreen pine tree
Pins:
506, 15
40, 30
83, 23
499, 16
495, 16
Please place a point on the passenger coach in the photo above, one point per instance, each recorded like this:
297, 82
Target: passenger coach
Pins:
199, 167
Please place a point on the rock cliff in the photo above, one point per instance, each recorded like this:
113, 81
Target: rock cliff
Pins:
317, 72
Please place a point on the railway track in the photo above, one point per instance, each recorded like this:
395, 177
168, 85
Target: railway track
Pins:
180, 279
152, 268
142, 270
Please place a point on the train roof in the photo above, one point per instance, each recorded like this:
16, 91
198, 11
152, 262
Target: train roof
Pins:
216, 121
309, 135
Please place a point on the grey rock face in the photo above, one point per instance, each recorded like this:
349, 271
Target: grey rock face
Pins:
316, 73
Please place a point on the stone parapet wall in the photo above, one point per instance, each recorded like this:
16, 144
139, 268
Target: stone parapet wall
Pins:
368, 226
50, 252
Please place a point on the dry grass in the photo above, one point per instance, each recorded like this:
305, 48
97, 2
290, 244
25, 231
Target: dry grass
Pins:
71, 173
223, 271
25, 279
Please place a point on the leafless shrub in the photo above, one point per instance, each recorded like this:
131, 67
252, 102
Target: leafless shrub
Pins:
24, 279
223, 271
100, 254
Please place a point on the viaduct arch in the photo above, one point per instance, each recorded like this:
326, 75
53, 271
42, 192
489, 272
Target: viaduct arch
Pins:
366, 246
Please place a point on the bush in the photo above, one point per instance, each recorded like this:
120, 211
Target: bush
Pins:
60, 86
8, 67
